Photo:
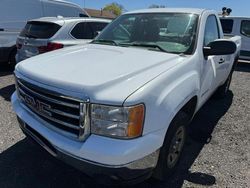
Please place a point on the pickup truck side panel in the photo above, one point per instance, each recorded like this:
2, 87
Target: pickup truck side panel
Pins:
215, 69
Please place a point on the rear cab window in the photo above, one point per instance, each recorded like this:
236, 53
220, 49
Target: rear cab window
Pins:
87, 30
245, 28
227, 25
41, 30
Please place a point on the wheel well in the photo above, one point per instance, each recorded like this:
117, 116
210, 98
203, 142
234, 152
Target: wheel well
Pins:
189, 107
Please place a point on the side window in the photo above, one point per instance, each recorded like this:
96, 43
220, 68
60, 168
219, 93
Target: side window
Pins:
227, 25
245, 28
82, 31
98, 26
211, 30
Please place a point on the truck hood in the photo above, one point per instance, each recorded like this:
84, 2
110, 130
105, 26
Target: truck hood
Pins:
107, 74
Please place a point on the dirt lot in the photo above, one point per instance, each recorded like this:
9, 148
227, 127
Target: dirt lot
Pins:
217, 155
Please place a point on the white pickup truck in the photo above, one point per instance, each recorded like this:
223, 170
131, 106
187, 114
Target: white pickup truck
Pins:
118, 108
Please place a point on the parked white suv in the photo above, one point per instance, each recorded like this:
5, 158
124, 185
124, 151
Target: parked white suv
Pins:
238, 26
119, 108
14, 14
52, 33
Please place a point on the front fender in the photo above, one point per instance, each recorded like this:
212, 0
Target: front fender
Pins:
163, 99
176, 95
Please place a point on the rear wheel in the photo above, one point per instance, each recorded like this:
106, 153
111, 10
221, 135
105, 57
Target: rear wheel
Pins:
223, 90
172, 148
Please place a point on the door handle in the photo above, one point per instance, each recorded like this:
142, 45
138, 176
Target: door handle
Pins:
222, 60
1, 29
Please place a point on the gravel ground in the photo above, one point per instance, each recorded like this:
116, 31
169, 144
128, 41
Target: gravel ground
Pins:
217, 153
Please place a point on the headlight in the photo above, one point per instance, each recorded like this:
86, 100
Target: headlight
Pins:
118, 122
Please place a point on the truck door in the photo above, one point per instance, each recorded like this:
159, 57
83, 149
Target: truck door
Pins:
211, 68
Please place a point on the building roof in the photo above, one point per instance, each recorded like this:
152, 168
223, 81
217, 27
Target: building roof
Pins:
100, 13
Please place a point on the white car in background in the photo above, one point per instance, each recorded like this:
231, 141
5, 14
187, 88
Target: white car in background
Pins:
52, 33
238, 26
14, 14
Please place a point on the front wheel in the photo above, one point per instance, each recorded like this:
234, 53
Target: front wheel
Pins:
171, 150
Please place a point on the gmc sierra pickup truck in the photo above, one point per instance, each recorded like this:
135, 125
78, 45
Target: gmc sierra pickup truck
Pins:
119, 107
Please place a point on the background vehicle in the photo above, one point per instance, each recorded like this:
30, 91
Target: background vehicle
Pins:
48, 34
119, 107
15, 13
238, 26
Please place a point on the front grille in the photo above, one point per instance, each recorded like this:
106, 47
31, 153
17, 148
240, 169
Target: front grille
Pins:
66, 115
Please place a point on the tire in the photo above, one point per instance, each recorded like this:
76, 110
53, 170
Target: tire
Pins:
171, 151
222, 91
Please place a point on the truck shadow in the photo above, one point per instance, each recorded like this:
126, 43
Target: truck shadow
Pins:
27, 165
7, 91
243, 66
5, 70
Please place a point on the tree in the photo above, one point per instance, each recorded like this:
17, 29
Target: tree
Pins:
115, 8
157, 6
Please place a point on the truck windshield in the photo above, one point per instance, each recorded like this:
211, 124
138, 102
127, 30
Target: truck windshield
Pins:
166, 32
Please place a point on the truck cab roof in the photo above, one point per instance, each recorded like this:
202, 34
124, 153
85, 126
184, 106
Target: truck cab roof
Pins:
169, 10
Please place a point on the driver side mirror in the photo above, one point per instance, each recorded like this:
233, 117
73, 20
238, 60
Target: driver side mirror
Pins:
219, 47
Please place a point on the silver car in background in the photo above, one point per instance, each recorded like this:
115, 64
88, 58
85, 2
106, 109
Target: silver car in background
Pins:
51, 33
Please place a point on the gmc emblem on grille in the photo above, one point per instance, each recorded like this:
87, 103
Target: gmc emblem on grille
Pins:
37, 105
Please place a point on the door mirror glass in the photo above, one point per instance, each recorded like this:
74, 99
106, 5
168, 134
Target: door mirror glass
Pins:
219, 47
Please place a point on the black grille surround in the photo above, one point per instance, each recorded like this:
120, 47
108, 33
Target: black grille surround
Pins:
66, 115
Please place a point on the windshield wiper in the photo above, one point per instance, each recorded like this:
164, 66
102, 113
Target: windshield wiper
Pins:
145, 45
98, 41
